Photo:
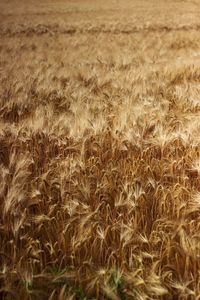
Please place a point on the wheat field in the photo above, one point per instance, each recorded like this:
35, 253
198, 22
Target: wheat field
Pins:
99, 150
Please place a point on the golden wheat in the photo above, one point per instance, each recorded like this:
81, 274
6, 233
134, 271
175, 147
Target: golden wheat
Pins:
99, 150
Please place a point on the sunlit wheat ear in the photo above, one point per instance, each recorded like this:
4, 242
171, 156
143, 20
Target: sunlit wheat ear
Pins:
185, 137
154, 283
183, 288
71, 207
98, 124
161, 137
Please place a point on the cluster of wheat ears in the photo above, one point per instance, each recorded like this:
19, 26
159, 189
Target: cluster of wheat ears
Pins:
99, 158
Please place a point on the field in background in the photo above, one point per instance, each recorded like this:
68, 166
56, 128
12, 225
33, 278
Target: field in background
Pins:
99, 150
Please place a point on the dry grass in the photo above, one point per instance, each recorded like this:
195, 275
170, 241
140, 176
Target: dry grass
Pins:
99, 150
